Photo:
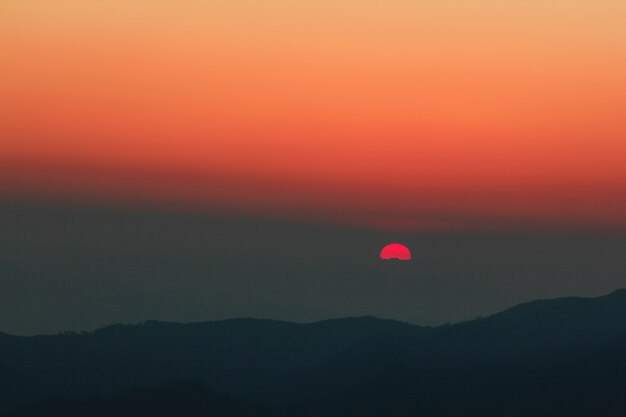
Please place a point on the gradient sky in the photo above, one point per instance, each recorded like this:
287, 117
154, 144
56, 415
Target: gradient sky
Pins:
402, 114
197, 159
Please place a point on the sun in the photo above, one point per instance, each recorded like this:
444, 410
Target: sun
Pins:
395, 251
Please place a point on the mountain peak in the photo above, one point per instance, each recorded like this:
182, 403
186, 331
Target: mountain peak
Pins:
620, 292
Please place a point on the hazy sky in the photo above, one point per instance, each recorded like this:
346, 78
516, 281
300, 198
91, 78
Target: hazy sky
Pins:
80, 267
195, 159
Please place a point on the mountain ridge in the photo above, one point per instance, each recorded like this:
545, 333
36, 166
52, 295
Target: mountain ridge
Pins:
618, 294
300, 364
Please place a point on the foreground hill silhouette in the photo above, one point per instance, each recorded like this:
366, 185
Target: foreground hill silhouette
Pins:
189, 399
562, 357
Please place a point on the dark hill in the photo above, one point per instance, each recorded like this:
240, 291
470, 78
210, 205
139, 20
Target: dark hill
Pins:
183, 399
565, 320
242, 356
531, 357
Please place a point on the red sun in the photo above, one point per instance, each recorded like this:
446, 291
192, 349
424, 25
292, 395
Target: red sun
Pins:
395, 251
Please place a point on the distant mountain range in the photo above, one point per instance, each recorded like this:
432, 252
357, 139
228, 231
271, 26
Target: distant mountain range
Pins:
561, 357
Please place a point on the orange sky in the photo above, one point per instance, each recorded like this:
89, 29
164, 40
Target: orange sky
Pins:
397, 114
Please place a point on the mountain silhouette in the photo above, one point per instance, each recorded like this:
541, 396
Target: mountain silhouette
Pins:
560, 357
186, 398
